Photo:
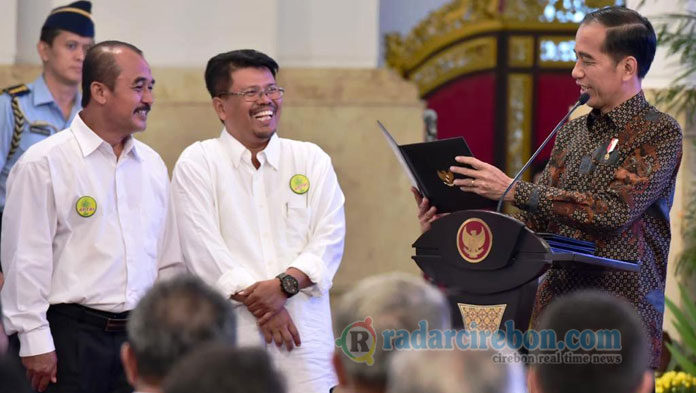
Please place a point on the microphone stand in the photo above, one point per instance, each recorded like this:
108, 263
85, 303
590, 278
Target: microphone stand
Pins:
581, 101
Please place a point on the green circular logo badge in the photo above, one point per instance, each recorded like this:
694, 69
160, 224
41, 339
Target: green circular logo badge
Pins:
299, 184
86, 206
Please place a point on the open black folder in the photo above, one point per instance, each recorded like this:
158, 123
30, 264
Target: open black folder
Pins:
427, 166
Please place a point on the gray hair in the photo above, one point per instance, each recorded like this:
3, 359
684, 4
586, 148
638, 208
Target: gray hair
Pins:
215, 369
174, 317
392, 301
453, 371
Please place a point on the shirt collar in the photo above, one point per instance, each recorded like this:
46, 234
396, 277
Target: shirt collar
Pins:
623, 113
43, 96
89, 141
129, 148
237, 151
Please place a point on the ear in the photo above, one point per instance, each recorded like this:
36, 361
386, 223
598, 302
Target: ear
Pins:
219, 106
42, 48
338, 367
98, 92
647, 385
629, 68
130, 366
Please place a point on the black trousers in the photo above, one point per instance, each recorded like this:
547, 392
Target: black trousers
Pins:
89, 358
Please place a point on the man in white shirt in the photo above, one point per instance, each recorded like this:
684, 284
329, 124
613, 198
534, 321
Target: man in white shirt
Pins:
83, 221
261, 219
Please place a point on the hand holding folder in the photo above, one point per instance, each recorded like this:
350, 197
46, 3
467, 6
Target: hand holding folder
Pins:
428, 165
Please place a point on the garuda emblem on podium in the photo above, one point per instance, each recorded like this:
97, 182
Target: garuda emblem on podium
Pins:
474, 240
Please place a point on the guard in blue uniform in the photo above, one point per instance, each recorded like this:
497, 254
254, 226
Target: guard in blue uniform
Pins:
30, 113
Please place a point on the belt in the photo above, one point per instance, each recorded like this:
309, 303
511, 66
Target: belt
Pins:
110, 322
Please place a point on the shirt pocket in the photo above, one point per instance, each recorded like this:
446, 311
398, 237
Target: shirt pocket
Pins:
297, 223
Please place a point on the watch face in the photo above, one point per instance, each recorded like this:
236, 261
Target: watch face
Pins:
290, 285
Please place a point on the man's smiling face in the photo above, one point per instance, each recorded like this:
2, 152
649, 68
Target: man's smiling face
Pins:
253, 123
597, 73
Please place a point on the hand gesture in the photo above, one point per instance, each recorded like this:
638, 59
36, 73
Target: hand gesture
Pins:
264, 299
482, 178
41, 369
281, 329
426, 213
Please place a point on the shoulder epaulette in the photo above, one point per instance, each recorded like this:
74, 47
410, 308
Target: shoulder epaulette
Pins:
17, 90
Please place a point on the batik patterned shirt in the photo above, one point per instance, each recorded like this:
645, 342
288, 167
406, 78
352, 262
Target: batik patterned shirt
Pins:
610, 180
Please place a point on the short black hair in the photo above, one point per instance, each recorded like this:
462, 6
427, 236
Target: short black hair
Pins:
596, 311
628, 34
214, 369
173, 318
218, 72
100, 66
49, 34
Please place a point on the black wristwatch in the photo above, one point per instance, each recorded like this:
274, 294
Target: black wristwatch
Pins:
288, 284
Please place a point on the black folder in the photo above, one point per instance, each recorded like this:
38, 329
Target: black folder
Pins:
427, 166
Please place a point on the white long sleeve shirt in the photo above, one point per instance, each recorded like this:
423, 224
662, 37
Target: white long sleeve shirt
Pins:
239, 225
51, 254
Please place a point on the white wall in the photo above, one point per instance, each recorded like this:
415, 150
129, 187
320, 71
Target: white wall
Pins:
182, 33
298, 33
328, 33
8, 31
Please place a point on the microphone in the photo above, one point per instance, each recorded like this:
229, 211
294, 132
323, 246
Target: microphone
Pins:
430, 122
581, 101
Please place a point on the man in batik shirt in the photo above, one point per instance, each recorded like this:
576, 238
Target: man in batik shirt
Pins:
611, 175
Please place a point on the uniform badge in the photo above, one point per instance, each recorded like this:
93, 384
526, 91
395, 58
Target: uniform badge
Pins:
299, 184
42, 128
86, 206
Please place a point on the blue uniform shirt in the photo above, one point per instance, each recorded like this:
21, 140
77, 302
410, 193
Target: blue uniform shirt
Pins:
43, 118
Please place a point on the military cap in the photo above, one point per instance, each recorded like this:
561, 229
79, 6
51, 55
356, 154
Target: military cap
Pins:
75, 17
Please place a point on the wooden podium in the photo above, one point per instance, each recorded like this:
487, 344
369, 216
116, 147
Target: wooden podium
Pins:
490, 264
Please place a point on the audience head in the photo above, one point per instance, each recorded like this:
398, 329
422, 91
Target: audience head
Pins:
215, 369
598, 312
453, 371
391, 301
172, 319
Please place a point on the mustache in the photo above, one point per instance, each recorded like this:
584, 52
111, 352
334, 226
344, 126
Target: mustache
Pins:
263, 107
146, 108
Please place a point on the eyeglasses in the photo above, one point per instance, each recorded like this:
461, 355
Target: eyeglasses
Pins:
251, 95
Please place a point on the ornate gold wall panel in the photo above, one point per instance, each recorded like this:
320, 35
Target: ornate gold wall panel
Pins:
406, 53
557, 55
518, 132
468, 56
521, 51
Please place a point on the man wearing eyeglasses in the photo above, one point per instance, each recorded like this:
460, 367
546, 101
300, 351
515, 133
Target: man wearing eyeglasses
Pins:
261, 219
